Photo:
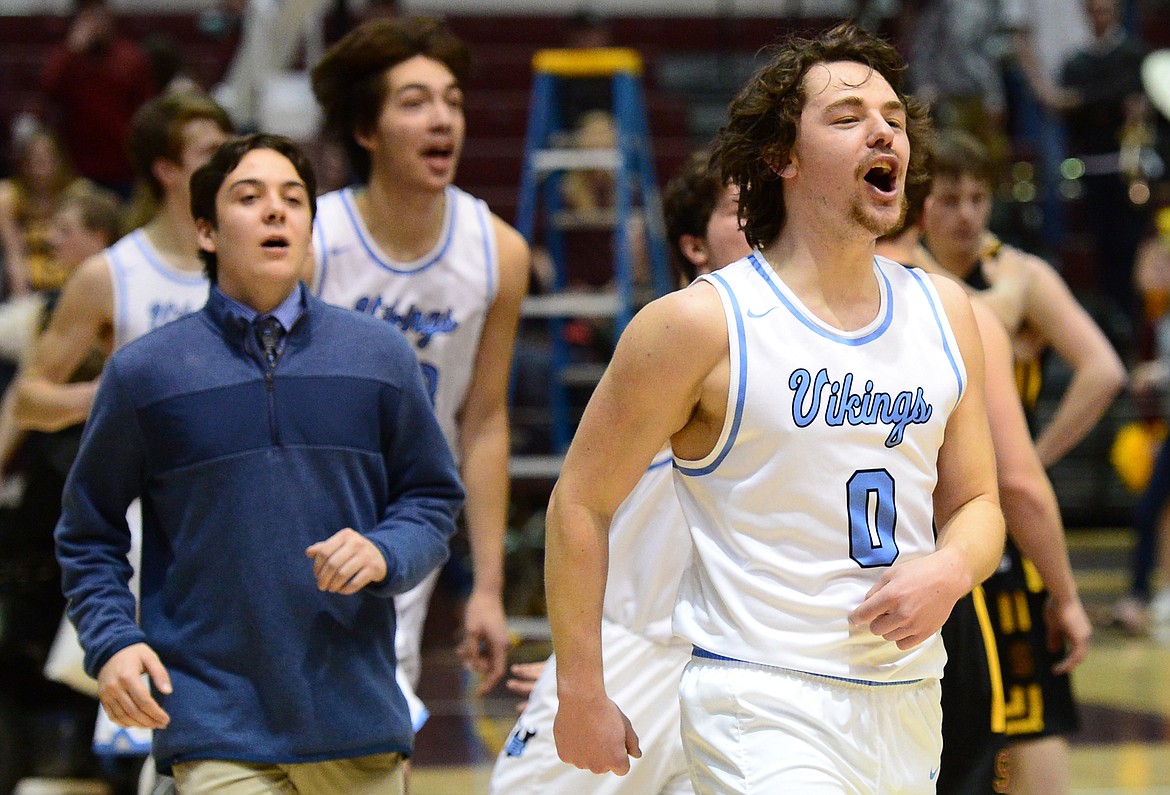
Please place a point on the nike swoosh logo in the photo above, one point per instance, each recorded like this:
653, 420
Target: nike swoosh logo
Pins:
753, 315
933, 773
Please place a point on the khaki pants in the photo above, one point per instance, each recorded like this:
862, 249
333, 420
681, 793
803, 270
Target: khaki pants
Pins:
377, 774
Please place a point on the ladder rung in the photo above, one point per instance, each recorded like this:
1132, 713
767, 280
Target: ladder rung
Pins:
545, 160
571, 305
535, 467
582, 374
598, 218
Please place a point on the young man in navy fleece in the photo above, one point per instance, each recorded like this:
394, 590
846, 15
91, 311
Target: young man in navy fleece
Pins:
293, 479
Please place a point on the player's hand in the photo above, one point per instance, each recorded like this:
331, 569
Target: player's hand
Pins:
523, 680
484, 648
125, 696
346, 562
1069, 628
595, 735
911, 601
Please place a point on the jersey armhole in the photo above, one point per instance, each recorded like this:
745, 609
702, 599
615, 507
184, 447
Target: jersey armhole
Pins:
737, 383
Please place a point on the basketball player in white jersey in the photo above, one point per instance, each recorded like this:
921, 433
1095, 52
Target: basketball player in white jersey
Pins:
643, 659
831, 452
149, 277
409, 247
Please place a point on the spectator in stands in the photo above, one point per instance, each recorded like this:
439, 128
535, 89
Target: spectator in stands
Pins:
272, 34
172, 73
94, 82
585, 110
28, 201
1150, 384
1046, 33
954, 66
1107, 117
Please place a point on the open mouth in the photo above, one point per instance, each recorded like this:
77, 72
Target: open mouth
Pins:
275, 243
441, 154
881, 176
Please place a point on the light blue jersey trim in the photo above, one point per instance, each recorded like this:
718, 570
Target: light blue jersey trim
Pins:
376, 257
150, 254
662, 460
322, 267
941, 329
741, 387
821, 330
489, 260
121, 294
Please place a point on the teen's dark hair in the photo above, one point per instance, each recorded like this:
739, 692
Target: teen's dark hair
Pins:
350, 80
956, 154
763, 120
206, 181
687, 203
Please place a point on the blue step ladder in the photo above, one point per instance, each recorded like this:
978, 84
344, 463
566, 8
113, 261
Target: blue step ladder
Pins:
541, 213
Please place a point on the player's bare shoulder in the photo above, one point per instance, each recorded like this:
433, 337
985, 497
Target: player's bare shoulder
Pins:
88, 295
693, 317
511, 246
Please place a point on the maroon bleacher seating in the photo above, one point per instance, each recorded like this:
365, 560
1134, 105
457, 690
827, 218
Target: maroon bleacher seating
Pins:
497, 91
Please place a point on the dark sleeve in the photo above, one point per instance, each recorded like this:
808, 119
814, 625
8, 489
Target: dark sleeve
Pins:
93, 539
425, 493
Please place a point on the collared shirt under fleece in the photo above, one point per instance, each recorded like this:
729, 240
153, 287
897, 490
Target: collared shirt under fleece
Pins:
240, 469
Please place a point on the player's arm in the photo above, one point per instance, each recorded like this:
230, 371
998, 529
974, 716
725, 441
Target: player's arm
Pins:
44, 401
11, 437
1098, 374
484, 438
16, 269
912, 600
650, 391
1029, 503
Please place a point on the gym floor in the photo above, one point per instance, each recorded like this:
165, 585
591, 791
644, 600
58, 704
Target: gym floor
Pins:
1123, 689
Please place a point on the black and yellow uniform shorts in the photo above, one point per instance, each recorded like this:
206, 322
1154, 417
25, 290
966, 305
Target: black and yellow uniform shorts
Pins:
1037, 702
972, 702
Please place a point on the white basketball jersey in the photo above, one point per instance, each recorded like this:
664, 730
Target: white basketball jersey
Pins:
822, 478
440, 300
649, 547
148, 291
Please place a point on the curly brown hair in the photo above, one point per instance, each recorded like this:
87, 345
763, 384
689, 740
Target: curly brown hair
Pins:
763, 118
350, 80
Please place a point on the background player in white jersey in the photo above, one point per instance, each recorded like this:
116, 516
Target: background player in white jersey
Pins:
411, 248
809, 569
148, 278
643, 658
